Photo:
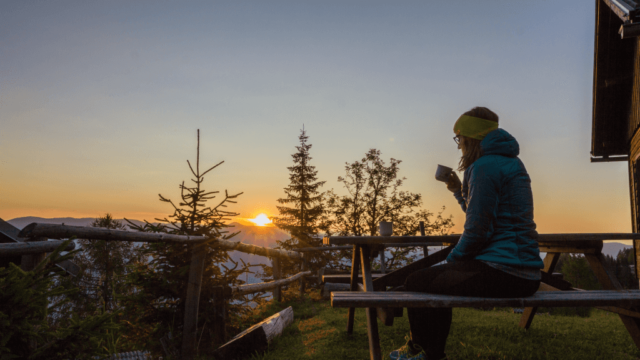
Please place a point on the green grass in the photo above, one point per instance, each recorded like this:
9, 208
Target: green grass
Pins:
318, 332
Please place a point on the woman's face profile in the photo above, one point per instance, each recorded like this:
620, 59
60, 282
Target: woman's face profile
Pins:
461, 145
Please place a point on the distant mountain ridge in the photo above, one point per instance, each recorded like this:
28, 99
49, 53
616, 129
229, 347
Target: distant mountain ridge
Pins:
21, 222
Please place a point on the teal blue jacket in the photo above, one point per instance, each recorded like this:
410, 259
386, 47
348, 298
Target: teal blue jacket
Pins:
496, 196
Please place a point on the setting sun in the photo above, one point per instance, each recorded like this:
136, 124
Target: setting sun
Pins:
261, 220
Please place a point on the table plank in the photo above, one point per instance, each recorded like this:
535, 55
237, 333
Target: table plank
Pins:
345, 279
388, 240
451, 239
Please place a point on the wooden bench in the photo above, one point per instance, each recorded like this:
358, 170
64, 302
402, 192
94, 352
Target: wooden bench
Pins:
615, 301
402, 299
590, 245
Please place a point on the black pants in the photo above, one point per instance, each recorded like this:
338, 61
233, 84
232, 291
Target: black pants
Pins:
430, 326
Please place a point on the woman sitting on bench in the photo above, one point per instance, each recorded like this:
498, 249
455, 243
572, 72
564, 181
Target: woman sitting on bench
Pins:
497, 255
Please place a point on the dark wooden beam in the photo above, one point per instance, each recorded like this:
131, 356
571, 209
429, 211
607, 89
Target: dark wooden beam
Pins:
253, 288
32, 247
397, 277
192, 302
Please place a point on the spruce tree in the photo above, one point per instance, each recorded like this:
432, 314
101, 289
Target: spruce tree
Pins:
302, 208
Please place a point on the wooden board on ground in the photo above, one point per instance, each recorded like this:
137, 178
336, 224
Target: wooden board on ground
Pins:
255, 338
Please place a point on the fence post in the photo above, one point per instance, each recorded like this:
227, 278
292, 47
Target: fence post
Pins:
383, 267
425, 249
219, 322
275, 267
29, 262
303, 267
190, 328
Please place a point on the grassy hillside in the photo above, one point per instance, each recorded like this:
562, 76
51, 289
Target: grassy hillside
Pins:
319, 333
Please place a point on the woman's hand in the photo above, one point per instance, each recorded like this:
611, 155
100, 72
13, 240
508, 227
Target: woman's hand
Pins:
454, 184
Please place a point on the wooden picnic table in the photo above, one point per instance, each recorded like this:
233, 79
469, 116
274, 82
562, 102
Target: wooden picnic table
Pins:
552, 244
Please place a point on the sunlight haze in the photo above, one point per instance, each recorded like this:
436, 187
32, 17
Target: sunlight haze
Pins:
100, 101
261, 220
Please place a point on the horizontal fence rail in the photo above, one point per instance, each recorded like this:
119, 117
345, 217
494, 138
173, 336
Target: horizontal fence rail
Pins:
93, 233
258, 250
253, 288
32, 247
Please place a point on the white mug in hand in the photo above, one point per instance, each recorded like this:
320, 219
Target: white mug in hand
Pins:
443, 173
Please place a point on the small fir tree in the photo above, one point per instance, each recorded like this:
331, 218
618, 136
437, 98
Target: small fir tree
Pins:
159, 305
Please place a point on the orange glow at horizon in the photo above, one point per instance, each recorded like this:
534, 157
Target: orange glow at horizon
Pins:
261, 220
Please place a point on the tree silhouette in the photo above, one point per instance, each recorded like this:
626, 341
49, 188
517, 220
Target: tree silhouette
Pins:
103, 268
27, 329
163, 282
304, 208
301, 219
373, 195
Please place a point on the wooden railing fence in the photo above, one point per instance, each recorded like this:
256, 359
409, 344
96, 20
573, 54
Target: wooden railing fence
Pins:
35, 245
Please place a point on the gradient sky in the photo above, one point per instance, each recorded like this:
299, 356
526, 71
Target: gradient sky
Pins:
100, 101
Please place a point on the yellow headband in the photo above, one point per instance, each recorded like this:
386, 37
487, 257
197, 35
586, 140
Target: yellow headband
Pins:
473, 127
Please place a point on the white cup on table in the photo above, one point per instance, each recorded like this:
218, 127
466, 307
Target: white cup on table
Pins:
386, 228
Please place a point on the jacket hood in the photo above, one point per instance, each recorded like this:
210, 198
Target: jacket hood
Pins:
500, 142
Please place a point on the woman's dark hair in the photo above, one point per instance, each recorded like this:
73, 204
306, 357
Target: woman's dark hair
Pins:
472, 148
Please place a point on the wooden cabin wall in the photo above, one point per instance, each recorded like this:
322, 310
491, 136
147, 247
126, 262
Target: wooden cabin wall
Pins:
634, 108
634, 192
634, 152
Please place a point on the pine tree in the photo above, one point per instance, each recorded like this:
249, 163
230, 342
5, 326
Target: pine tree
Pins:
301, 217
